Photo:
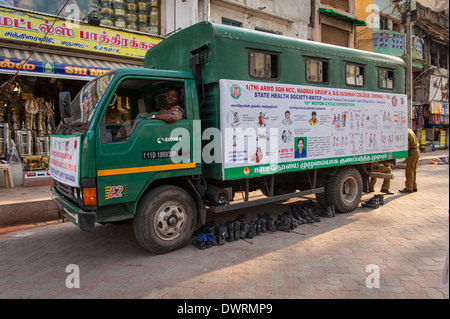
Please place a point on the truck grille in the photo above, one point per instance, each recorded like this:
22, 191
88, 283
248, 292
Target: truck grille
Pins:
66, 191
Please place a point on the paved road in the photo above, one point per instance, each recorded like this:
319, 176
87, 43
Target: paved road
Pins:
405, 242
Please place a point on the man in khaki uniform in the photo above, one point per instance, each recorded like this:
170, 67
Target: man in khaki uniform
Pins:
412, 162
172, 112
381, 167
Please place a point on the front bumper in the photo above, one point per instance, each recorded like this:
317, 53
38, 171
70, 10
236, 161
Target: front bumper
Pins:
84, 220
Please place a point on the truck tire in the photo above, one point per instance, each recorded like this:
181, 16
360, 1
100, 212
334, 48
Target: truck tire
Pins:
344, 189
165, 219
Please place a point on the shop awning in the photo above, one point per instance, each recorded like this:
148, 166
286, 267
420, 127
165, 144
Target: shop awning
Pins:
343, 17
55, 65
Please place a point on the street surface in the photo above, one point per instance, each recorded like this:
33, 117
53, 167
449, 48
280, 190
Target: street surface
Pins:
395, 251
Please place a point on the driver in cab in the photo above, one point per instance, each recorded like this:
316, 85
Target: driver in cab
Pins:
172, 111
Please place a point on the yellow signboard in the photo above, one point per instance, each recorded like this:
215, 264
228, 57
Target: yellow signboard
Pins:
34, 28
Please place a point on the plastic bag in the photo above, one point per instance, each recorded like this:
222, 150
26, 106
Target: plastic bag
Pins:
12, 155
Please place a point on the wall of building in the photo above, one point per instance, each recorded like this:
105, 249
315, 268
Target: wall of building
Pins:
288, 17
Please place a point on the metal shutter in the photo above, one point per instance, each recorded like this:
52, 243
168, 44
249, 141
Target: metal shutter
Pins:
338, 4
332, 35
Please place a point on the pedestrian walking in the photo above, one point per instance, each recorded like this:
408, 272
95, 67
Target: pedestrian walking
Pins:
412, 162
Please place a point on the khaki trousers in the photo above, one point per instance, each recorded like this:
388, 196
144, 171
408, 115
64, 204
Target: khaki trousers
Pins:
386, 182
412, 162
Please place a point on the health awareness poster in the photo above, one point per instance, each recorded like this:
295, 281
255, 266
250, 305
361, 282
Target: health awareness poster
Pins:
64, 159
270, 128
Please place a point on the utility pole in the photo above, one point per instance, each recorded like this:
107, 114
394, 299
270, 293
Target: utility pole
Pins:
409, 77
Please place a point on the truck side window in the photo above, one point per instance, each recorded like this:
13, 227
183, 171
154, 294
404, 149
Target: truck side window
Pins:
264, 65
317, 71
385, 79
354, 74
118, 113
135, 100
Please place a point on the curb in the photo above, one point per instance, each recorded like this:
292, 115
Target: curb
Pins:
28, 212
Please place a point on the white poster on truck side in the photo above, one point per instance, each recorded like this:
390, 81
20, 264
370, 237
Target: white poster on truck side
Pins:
65, 159
272, 128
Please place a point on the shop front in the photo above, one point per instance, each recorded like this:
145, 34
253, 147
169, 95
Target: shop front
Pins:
432, 114
41, 56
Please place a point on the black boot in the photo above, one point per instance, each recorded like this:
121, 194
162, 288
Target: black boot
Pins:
312, 211
237, 230
327, 212
251, 232
270, 223
295, 213
262, 223
210, 229
372, 203
283, 223
303, 214
230, 231
380, 199
258, 228
221, 234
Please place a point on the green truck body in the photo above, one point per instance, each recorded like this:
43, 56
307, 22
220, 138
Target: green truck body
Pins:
247, 98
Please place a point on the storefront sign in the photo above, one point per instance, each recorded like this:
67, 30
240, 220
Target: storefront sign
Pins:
51, 68
20, 26
64, 159
275, 128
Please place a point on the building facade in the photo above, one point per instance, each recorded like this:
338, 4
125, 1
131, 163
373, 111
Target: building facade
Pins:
386, 33
290, 18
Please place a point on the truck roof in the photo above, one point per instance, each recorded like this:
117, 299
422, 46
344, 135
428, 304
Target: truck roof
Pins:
204, 33
224, 53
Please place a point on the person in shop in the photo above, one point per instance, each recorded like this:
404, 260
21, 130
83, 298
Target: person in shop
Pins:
385, 168
412, 162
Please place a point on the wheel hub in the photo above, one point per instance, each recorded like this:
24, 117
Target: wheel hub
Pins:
169, 222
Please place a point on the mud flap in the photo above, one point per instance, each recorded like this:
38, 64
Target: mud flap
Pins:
86, 221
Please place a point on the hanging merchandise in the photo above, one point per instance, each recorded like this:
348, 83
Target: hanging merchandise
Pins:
439, 113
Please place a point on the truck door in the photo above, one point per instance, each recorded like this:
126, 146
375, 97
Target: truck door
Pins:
132, 148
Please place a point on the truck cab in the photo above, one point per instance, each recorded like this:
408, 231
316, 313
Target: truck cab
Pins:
106, 153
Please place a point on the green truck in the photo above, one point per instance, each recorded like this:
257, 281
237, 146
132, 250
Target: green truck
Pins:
261, 114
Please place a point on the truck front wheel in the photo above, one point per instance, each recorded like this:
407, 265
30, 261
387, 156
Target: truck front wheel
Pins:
344, 189
165, 220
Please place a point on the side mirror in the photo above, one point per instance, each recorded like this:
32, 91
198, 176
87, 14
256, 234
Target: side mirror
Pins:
64, 105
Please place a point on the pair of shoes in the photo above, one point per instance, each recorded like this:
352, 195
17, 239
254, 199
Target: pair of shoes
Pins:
374, 202
387, 192
415, 190
380, 199
405, 191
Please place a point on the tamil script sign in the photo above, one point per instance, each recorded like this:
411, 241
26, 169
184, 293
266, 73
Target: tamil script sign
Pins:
51, 68
34, 28
275, 128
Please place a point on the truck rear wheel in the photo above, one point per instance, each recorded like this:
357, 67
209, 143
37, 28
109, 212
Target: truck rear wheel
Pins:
344, 189
165, 220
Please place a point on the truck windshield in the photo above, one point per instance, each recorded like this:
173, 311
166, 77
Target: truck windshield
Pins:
84, 105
